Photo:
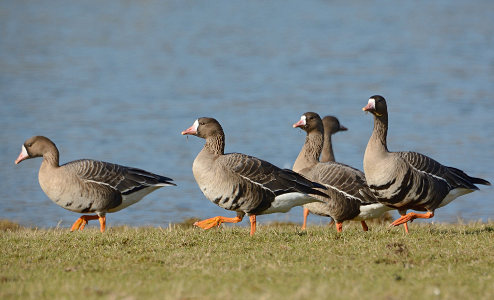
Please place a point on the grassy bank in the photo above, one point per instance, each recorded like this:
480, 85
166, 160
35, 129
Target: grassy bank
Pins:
434, 261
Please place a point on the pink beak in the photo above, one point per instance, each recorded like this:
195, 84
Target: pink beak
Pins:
190, 130
368, 107
22, 156
299, 124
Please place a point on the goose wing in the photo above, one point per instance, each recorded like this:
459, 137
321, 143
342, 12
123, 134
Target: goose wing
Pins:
268, 176
343, 179
125, 180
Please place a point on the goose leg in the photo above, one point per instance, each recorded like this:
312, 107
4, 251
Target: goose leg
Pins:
405, 225
82, 221
253, 222
364, 226
412, 216
306, 214
102, 223
216, 221
339, 226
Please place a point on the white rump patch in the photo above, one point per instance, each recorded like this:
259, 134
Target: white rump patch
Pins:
283, 203
371, 211
453, 194
132, 198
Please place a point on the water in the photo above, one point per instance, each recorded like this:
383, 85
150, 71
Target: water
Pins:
118, 81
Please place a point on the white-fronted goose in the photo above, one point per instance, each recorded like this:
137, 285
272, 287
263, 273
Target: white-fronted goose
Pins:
409, 180
89, 186
331, 126
243, 183
349, 195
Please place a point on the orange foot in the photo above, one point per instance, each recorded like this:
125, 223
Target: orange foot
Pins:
216, 221
83, 220
410, 217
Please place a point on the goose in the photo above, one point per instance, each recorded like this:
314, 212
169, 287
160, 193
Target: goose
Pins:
89, 186
349, 197
409, 180
243, 183
331, 126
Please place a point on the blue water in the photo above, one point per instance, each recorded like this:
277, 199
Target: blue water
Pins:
119, 80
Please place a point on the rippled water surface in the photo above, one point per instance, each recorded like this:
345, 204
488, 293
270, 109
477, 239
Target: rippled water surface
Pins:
119, 80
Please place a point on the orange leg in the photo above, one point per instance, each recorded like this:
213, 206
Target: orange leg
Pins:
410, 217
306, 214
405, 225
102, 223
82, 221
216, 221
253, 222
364, 226
339, 226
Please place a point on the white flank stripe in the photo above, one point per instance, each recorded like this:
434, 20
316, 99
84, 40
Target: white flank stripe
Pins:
99, 182
435, 176
257, 183
344, 193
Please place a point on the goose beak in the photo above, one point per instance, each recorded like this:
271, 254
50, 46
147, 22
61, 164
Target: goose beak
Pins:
343, 128
191, 130
300, 123
22, 156
368, 107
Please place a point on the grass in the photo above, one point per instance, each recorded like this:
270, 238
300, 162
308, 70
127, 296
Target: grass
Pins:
435, 261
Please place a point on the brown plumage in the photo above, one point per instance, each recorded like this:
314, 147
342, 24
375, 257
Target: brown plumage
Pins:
243, 183
349, 196
331, 126
409, 180
89, 186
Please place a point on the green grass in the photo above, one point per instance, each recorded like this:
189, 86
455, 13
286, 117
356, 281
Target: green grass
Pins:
434, 261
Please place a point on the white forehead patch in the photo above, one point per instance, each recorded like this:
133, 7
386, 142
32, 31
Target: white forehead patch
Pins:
372, 102
303, 118
24, 151
196, 124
